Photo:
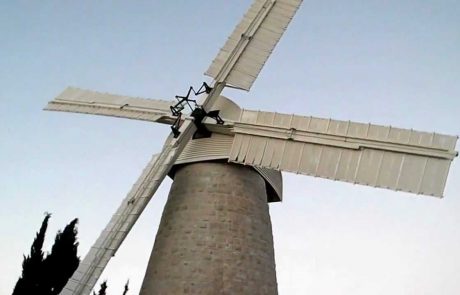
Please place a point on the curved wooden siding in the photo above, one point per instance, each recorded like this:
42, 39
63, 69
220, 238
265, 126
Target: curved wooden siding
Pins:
217, 147
274, 181
205, 149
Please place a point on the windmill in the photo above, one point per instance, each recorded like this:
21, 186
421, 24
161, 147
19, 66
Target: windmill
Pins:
366, 154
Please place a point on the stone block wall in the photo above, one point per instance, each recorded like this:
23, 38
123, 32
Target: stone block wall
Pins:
215, 235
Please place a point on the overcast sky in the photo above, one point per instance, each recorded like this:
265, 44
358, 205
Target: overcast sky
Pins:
394, 62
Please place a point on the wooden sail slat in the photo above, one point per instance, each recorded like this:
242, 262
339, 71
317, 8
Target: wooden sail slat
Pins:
257, 33
367, 154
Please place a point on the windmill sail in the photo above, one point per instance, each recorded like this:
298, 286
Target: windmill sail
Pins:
88, 272
77, 100
114, 233
367, 154
257, 35
110, 239
381, 156
262, 27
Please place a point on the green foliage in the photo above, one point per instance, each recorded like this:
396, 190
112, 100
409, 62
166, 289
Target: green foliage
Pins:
48, 275
32, 265
102, 289
60, 264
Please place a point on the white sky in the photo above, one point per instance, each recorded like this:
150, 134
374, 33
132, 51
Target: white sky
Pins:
389, 62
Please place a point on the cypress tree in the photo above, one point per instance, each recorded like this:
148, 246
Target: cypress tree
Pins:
32, 265
102, 289
61, 263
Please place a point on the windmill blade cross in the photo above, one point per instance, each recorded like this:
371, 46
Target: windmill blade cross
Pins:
379, 156
256, 36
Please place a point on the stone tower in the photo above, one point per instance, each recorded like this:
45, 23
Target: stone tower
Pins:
215, 234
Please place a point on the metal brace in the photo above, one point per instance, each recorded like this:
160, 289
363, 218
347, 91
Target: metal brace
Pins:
198, 113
